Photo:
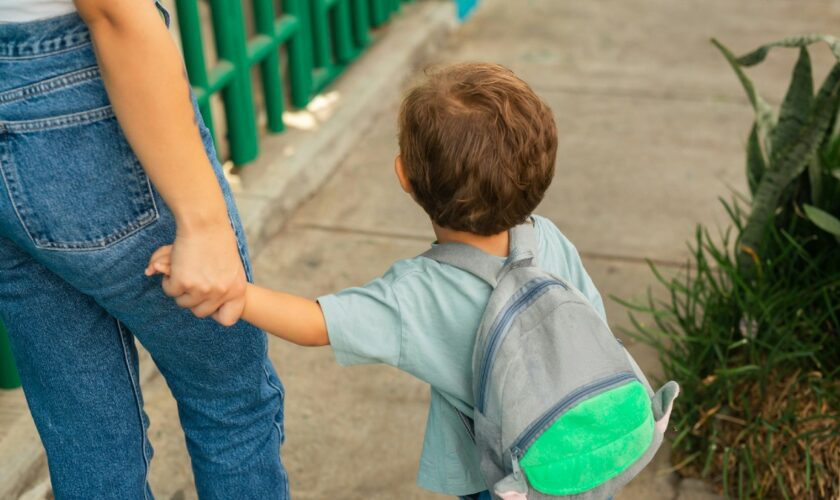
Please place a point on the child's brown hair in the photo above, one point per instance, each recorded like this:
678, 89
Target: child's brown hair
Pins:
478, 147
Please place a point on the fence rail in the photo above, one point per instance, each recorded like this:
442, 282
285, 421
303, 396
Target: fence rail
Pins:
319, 39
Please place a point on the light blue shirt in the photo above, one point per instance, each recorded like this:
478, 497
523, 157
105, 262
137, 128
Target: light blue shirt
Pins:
422, 317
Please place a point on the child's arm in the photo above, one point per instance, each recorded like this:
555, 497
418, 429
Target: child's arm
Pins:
287, 316
290, 317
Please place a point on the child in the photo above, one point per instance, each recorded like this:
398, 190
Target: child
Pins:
477, 152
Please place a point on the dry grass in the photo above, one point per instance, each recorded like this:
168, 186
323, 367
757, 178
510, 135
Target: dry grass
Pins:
787, 439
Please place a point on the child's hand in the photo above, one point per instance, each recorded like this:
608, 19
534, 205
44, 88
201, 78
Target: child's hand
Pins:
160, 262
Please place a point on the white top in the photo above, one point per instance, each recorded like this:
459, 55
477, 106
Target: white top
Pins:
21, 11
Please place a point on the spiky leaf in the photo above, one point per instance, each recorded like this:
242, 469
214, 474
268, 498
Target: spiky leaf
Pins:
815, 175
831, 154
796, 105
756, 165
765, 116
760, 53
792, 160
823, 219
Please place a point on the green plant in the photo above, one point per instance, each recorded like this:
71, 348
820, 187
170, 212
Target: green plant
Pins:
751, 329
759, 412
793, 155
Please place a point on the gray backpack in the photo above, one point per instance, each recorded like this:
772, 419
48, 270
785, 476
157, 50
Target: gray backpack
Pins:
561, 409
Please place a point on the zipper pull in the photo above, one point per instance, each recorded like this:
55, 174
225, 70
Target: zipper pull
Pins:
513, 486
515, 455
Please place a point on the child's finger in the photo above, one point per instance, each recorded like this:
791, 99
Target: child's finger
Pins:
164, 252
160, 262
159, 266
162, 267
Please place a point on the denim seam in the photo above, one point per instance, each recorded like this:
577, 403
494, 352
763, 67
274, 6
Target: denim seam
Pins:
280, 391
5, 156
56, 83
56, 122
136, 392
280, 434
240, 247
39, 55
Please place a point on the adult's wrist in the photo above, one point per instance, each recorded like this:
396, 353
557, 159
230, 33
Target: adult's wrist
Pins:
201, 219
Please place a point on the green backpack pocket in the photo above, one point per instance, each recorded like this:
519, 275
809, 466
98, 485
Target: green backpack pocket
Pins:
592, 442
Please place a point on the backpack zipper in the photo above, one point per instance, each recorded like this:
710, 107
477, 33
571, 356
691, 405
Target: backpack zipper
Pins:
538, 287
538, 426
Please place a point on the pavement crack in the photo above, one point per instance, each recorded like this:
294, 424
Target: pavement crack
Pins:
627, 259
639, 94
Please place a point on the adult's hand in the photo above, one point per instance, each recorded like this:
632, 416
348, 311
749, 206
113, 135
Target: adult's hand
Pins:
204, 273
145, 80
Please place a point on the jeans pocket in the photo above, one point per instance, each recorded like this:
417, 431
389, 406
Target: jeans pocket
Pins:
74, 181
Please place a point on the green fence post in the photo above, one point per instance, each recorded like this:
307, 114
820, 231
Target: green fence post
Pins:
299, 53
321, 37
8, 372
229, 30
378, 12
270, 66
322, 47
189, 23
341, 28
361, 23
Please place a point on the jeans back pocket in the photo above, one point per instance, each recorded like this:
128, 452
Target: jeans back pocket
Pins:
74, 181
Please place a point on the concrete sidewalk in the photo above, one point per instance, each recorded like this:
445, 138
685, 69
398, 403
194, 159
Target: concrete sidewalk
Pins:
652, 125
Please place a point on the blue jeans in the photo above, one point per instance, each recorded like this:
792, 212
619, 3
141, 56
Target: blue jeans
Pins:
484, 495
78, 222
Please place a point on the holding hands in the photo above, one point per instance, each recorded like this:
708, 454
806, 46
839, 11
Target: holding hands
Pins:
203, 272
200, 275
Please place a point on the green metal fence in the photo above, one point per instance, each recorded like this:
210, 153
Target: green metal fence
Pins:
318, 37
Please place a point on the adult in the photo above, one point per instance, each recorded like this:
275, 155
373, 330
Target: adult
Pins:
104, 158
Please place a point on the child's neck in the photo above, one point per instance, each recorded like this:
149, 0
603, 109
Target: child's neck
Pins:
496, 244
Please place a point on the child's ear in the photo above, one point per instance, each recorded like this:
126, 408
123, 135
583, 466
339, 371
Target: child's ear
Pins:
404, 182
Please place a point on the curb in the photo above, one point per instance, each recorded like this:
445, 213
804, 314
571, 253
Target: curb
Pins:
291, 167
23, 461
294, 164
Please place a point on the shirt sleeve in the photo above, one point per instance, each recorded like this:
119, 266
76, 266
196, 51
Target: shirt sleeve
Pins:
574, 272
364, 324
582, 281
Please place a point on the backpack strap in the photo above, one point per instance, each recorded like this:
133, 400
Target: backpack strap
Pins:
467, 258
523, 245
523, 251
